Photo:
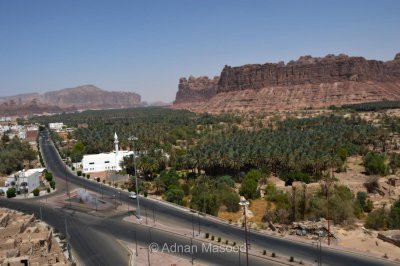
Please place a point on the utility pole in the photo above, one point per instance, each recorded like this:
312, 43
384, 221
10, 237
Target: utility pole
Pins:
192, 225
66, 237
154, 217
191, 249
136, 250
243, 202
198, 220
132, 138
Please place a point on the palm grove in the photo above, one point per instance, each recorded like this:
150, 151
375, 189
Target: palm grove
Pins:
211, 154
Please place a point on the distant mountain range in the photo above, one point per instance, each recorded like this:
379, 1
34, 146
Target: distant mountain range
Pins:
309, 82
71, 99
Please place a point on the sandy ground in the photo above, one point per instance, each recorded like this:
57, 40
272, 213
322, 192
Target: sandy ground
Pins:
361, 241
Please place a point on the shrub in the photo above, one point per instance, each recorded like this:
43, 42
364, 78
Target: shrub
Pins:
249, 188
226, 242
53, 184
212, 237
11, 192
234, 244
296, 176
231, 200
394, 215
83, 174
104, 181
36, 192
374, 164
264, 252
109, 183
73, 168
97, 179
175, 195
79, 173
273, 255
48, 176
207, 235
291, 259
48, 189
377, 219
88, 176
219, 239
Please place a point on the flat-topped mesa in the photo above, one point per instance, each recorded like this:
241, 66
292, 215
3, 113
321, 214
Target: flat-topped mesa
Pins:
306, 70
196, 89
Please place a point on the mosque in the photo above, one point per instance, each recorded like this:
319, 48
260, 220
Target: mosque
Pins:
102, 162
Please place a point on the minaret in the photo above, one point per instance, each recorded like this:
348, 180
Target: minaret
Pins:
116, 143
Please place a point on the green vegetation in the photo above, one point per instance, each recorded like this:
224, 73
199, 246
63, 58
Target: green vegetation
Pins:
36, 192
13, 154
382, 219
373, 106
375, 164
11, 192
208, 154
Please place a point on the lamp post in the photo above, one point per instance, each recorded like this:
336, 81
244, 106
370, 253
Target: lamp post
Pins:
243, 202
132, 138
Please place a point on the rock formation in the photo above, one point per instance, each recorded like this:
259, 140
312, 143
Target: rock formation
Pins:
79, 98
307, 82
196, 89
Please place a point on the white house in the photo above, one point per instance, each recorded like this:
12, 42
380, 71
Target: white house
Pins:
29, 180
105, 161
56, 126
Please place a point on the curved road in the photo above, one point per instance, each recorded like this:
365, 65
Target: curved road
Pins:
183, 218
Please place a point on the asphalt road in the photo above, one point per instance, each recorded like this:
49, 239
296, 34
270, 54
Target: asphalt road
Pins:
93, 237
183, 218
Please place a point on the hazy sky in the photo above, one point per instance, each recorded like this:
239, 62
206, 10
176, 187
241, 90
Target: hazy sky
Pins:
146, 46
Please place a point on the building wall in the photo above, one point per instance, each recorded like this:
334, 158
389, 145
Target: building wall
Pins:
103, 162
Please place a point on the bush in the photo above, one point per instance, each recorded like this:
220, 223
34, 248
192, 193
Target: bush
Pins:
377, 219
291, 259
273, 255
231, 200
212, 238
79, 173
48, 189
48, 176
36, 192
83, 174
295, 176
104, 181
11, 192
88, 176
226, 242
207, 235
219, 239
53, 184
97, 179
374, 164
248, 188
264, 252
394, 216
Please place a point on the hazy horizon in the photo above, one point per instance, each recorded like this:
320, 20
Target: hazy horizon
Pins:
145, 47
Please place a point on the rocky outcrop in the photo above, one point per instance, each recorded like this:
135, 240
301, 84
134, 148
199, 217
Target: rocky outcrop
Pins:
307, 82
79, 98
196, 89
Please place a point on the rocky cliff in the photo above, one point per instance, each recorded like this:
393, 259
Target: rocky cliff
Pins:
306, 82
196, 89
79, 98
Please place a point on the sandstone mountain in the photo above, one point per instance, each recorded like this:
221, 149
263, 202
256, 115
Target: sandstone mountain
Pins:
72, 99
307, 82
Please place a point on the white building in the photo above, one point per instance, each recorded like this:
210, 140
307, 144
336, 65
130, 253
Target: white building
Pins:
56, 126
29, 180
105, 161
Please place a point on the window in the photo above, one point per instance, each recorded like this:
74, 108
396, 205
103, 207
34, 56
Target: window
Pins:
107, 162
91, 163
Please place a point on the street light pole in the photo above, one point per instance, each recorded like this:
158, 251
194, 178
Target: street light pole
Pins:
132, 138
243, 202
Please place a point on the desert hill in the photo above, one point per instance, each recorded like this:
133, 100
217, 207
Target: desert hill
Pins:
71, 99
